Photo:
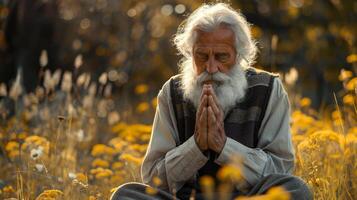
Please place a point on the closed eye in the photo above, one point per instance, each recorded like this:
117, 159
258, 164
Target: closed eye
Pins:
222, 57
201, 56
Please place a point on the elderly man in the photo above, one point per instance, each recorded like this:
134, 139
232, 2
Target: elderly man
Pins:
219, 107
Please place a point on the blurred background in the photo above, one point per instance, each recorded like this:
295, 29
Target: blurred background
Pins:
79, 79
308, 42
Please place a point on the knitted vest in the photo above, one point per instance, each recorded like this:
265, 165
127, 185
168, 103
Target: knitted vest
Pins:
242, 123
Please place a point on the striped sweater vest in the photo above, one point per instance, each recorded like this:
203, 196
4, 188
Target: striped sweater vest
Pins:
241, 123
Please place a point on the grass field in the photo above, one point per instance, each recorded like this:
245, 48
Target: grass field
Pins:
73, 144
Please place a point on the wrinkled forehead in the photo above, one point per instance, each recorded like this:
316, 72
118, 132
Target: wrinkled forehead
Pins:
220, 37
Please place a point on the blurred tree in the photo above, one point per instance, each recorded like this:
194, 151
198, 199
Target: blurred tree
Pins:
29, 30
131, 40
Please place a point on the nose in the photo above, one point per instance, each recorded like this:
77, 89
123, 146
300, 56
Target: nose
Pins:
212, 65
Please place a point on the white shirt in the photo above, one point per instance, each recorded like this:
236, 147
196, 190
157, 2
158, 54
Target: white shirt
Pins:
174, 165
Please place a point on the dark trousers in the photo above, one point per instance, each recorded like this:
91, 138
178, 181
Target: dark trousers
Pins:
292, 184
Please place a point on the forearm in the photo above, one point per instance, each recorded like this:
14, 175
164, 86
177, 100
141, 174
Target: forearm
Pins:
176, 167
256, 162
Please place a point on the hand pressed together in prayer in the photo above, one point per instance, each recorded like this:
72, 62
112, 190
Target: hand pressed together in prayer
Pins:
209, 130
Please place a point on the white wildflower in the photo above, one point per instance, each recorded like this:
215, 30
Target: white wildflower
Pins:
39, 167
292, 76
78, 61
3, 90
36, 153
16, 88
66, 82
72, 175
103, 78
113, 117
108, 90
43, 58
81, 79
92, 89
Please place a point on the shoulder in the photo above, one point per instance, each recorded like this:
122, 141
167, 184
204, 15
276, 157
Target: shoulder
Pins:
278, 87
166, 88
260, 77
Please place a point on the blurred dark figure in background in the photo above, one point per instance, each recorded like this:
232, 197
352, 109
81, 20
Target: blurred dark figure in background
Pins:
29, 30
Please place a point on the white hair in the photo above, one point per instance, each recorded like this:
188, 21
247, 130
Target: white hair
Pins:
207, 18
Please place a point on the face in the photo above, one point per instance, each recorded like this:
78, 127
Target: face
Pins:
214, 51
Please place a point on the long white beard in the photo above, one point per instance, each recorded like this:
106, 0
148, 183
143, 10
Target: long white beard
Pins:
230, 89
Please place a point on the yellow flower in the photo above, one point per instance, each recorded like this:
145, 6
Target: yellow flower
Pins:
206, 181
36, 142
81, 177
117, 165
150, 190
138, 147
102, 149
104, 174
8, 189
118, 144
142, 128
12, 145
293, 11
101, 173
305, 102
207, 184
145, 138
142, 107
351, 84
157, 181
132, 159
326, 141
119, 127
50, 195
141, 89
154, 102
22, 135
100, 163
92, 198
336, 115
351, 58
130, 138
230, 172
349, 99
256, 31
344, 75
278, 193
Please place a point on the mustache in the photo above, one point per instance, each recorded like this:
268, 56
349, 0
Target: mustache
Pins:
217, 78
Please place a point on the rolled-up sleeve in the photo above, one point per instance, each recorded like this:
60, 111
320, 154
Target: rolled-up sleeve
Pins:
274, 152
173, 164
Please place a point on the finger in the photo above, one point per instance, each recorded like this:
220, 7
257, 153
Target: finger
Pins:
197, 133
211, 117
221, 129
203, 93
204, 90
202, 105
203, 117
214, 107
211, 92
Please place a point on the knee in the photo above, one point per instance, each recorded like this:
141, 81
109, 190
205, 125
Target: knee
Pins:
296, 187
304, 192
124, 192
